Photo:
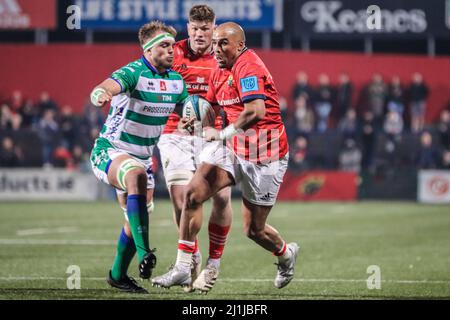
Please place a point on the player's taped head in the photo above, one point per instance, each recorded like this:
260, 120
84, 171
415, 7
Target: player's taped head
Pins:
125, 167
153, 29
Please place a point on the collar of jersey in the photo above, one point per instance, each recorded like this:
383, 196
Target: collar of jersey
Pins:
152, 68
243, 51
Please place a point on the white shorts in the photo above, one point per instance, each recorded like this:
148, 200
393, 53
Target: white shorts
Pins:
260, 183
179, 157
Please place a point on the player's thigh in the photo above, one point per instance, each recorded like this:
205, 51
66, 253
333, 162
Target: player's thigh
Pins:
208, 180
122, 166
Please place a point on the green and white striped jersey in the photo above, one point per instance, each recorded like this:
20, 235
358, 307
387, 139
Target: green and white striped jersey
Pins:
138, 115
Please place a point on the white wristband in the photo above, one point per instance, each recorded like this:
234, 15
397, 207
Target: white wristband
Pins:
96, 93
228, 132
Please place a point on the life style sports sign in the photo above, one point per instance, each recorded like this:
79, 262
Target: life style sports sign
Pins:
348, 18
55, 184
434, 186
131, 14
27, 14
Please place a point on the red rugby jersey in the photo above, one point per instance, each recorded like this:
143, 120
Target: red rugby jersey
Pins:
195, 71
247, 80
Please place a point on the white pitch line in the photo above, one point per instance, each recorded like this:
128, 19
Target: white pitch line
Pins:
56, 242
39, 231
249, 280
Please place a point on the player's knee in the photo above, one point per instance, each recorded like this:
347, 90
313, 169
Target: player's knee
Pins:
136, 180
253, 233
194, 198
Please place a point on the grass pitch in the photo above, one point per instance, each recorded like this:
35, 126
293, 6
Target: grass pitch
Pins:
410, 243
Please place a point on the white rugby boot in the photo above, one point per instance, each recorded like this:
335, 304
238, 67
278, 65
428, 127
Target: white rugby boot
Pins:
175, 277
196, 267
285, 271
206, 280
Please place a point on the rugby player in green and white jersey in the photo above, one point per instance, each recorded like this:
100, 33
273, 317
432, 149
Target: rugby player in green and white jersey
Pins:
143, 94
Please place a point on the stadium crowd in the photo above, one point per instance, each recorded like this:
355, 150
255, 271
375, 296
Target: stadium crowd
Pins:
383, 130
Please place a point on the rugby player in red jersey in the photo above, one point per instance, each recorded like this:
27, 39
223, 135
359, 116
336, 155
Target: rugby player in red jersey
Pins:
252, 150
194, 60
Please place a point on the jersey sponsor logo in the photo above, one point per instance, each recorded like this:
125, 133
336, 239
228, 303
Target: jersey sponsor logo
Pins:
229, 102
249, 84
162, 86
200, 79
151, 85
157, 110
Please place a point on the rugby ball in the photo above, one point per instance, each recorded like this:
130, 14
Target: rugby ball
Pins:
197, 107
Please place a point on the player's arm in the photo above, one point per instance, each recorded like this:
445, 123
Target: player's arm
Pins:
104, 92
251, 91
122, 80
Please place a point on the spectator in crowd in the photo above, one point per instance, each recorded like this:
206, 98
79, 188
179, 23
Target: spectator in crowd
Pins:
446, 160
304, 117
298, 155
10, 155
16, 102
350, 157
393, 125
376, 95
418, 92
81, 159
48, 130
62, 158
323, 99
301, 86
444, 128
367, 132
6, 121
349, 124
395, 97
68, 125
92, 118
428, 156
343, 96
28, 114
284, 111
46, 103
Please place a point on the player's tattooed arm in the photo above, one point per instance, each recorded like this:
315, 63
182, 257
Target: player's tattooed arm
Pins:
104, 92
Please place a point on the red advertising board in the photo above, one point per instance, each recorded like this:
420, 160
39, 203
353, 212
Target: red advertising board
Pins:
319, 186
27, 14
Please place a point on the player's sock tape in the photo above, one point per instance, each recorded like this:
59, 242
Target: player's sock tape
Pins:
125, 167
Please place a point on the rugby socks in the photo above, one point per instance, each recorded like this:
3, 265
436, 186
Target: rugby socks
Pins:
217, 240
138, 219
125, 253
196, 246
184, 256
283, 254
